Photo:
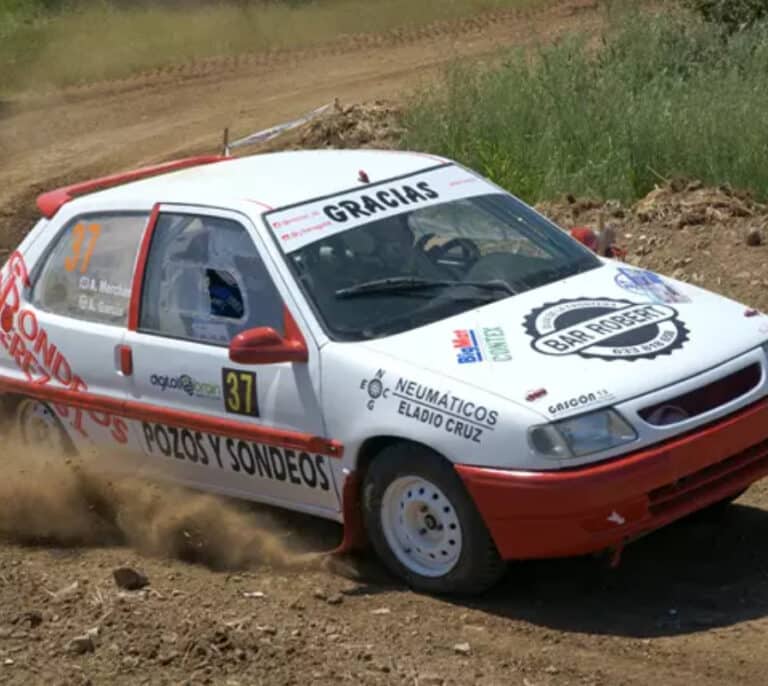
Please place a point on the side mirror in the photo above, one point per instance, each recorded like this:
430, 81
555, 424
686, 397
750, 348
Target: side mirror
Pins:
264, 345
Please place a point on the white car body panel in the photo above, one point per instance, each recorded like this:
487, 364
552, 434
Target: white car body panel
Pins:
476, 413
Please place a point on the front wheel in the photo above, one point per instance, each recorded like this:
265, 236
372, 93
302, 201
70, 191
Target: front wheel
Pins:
423, 524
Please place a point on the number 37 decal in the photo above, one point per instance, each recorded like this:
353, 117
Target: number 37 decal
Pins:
240, 392
78, 238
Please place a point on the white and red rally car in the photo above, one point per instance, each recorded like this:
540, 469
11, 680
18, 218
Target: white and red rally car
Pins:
387, 340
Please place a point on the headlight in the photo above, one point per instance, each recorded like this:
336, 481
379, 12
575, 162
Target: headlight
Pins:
582, 435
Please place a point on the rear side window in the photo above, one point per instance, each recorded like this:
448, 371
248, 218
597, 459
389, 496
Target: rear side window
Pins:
205, 281
88, 273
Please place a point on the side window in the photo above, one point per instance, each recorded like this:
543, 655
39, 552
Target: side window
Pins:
88, 273
206, 282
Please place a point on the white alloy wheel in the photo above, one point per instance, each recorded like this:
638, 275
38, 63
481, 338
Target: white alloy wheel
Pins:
421, 526
39, 427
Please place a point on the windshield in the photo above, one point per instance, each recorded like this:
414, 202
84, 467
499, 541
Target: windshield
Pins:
411, 268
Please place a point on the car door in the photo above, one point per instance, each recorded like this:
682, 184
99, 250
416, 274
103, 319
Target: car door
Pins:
245, 430
72, 318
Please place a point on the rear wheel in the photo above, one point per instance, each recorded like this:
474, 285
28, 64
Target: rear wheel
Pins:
423, 524
39, 427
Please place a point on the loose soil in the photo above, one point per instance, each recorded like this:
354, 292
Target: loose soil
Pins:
233, 598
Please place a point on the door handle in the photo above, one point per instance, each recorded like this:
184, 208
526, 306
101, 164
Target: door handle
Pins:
125, 355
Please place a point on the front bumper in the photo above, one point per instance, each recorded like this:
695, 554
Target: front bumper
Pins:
603, 506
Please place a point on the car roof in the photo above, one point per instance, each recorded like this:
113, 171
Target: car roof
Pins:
266, 181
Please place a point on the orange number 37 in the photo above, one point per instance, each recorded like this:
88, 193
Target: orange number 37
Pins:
79, 233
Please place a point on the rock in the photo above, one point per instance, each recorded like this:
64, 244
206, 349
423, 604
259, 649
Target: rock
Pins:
552, 670
429, 679
80, 645
462, 648
381, 611
167, 658
335, 599
320, 594
65, 593
754, 237
130, 579
131, 661
254, 594
34, 618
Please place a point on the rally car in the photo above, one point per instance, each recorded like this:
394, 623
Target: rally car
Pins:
383, 339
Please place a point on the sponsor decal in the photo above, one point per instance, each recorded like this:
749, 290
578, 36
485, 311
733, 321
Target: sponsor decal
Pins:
607, 329
240, 394
432, 407
27, 343
264, 462
375, 389
186, 384
490, 344
580, 402
300, 225
649, 285
379, 201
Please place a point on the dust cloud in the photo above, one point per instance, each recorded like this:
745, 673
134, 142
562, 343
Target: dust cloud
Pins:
48, 499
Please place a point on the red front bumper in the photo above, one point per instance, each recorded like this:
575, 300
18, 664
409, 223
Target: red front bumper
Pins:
587, 509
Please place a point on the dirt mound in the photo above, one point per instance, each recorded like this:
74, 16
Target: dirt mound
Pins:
373, 124
711, 237
679, 203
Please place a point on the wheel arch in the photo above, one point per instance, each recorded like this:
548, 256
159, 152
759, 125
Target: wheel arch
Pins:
355, 537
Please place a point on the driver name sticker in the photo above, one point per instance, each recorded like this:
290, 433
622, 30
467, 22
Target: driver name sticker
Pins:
605, 329
299, 225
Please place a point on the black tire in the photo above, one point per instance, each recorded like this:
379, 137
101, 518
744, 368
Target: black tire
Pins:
478, 566
722, 506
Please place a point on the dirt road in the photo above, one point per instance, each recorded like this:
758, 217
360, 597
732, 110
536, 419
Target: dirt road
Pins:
46, 138
688, 604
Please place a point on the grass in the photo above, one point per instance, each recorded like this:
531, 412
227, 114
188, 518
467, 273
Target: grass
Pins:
56, 42
662, 97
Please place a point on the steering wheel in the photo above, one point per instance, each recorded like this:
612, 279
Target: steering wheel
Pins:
470, 253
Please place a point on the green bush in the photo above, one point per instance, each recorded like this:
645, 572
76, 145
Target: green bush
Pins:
732, 15
662, 97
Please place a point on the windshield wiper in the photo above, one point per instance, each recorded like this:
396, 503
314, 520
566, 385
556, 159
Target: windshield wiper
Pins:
406, 284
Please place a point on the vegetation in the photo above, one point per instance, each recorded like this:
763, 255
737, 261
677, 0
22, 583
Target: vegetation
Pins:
731, 15
663, 97
60, 42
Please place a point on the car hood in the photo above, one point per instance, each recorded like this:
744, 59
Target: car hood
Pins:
604, 336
